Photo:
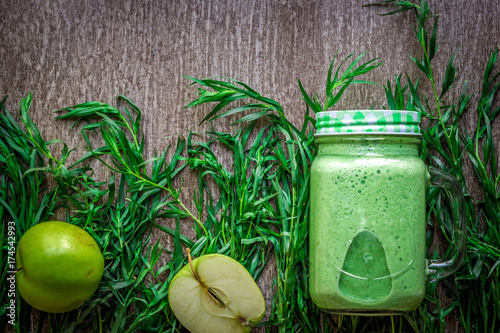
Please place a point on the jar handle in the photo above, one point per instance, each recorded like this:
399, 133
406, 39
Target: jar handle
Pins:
438, 269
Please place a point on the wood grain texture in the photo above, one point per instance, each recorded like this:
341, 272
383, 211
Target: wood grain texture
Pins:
68, 52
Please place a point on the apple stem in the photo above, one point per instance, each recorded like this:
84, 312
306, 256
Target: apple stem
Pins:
188, 250
16, 271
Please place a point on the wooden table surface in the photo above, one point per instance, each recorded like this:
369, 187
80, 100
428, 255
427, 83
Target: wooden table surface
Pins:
68, 52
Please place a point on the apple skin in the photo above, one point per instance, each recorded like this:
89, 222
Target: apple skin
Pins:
244, 303
59, 266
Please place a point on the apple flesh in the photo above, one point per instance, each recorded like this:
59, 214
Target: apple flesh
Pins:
59, 266
215, 293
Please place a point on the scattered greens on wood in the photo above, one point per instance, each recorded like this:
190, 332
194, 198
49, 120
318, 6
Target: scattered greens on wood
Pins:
254, 207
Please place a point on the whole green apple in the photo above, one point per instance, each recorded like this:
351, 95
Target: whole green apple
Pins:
59, 266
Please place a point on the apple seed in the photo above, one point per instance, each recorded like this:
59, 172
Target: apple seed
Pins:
214, 295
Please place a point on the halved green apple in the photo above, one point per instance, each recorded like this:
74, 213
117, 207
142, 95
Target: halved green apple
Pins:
215, 293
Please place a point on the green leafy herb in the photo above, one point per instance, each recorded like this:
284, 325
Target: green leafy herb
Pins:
336, 86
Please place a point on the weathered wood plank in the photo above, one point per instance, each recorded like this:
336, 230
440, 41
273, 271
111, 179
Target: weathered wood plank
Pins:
67, 52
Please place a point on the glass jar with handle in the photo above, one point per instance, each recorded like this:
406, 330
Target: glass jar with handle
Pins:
368, 214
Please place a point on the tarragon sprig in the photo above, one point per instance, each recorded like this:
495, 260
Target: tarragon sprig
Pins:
127, 157
336, 85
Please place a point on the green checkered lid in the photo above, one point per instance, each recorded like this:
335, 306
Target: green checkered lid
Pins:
368, 122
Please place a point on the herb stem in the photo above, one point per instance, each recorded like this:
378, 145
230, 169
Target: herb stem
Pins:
170, 191
436, 96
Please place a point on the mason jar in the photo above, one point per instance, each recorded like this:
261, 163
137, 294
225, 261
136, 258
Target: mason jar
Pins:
368, 214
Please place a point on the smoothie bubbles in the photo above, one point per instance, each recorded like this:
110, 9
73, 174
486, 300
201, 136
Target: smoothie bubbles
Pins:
368, 214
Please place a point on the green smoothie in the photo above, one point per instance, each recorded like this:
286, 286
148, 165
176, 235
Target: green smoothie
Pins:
368, 221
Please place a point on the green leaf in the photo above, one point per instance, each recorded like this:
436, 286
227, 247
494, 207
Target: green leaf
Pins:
314, 106
449, 76
339, 94
390, 98
432, 42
